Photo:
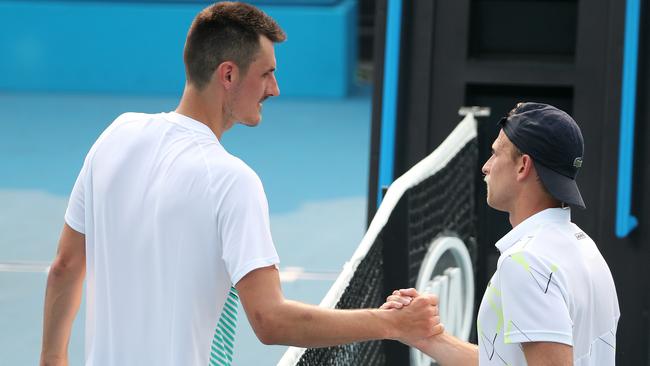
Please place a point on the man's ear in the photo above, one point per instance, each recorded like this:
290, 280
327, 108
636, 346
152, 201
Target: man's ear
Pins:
525, 167
226, 74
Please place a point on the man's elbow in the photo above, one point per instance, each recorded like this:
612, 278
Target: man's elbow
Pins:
267, 327
63, 267
267, 337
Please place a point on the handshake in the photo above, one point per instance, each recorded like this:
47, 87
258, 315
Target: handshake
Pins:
416, 317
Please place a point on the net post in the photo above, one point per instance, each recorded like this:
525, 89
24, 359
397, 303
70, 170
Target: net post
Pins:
475, 110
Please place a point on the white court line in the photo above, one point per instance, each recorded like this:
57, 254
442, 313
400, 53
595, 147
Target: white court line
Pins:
292, 274
25, 267
287, 274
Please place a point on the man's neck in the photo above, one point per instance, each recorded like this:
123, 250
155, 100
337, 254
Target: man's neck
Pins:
203, 107
528, 207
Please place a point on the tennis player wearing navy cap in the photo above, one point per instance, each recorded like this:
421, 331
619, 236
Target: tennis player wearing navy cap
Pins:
552, 299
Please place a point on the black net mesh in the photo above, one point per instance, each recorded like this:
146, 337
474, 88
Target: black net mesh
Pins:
441, 203
364, 291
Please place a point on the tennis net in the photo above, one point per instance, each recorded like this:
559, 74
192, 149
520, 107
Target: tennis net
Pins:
439, 197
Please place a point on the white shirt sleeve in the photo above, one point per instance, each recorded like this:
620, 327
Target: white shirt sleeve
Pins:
243, 224
75, 213
533, 298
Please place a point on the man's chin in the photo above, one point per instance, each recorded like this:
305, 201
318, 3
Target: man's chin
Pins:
494, 205
251, 122
490, 201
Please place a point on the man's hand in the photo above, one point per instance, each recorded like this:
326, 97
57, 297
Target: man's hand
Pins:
443, 347
418, 318
401, 299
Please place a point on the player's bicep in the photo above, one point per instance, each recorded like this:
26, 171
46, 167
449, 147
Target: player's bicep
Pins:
260, 294
548, 354
71, 252
260, 286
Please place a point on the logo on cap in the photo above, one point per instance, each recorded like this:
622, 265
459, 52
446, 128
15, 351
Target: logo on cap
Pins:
577, 162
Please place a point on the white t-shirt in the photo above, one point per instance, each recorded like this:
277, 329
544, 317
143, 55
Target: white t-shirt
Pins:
551, 285
171, 221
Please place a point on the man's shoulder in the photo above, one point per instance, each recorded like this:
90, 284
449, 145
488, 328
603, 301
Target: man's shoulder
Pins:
232, 168
552, 247
126, 119
134, 116
559, 235
230, 163
538, 248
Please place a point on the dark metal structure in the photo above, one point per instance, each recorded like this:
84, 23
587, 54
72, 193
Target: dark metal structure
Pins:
495, 53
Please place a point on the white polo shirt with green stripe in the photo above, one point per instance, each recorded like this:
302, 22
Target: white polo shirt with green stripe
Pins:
172, 221
551, 285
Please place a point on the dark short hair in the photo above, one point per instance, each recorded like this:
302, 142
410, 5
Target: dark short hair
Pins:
226, 31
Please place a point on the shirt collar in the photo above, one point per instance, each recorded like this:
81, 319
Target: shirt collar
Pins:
189, 123
531, 223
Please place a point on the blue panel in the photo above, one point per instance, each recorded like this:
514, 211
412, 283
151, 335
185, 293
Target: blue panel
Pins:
92, 47
319, 56
625, 222
137, 47
389, 96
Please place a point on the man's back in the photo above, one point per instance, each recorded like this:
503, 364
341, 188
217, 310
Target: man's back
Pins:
598, 313
155, 199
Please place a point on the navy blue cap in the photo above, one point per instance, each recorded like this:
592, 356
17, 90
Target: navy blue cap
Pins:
554, 141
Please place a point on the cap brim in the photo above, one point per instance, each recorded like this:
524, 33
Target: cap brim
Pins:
560, 187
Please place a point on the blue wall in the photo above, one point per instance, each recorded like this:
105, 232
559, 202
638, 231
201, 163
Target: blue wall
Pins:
136, 48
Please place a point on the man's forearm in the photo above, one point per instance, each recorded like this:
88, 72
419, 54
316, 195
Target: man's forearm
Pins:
302, 325
448, 350
297, 324
280, 321
62, 299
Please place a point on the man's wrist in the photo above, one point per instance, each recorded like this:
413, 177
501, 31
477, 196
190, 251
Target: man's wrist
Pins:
389, 327
53, 360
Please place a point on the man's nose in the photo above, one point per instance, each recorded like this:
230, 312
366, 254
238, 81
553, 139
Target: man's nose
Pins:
274, 88
486, 167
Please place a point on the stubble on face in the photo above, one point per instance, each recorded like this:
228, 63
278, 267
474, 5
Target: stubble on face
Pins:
237, 109
254, 87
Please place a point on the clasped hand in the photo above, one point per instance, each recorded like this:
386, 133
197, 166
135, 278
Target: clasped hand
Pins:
410, 299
